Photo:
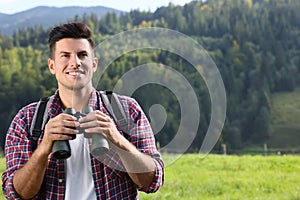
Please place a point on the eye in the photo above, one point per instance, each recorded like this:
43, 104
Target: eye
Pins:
65, 55
82, 54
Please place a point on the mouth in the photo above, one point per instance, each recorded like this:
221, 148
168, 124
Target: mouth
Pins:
75, 73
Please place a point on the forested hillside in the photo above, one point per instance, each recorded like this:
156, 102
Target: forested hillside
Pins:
43, 16
254, 43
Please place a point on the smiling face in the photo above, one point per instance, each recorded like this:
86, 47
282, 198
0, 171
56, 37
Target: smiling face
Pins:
73, 64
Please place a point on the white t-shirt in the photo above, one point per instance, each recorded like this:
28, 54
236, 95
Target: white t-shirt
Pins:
79, 179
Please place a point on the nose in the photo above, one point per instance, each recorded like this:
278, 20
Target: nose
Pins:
75, 61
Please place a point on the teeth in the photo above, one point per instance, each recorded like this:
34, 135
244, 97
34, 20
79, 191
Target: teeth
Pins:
73, 73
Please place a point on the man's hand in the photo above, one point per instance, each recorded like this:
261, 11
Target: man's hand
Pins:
100, 123
140, 167
28, 180
58, 128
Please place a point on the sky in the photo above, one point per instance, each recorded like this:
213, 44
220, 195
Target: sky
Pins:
14, 6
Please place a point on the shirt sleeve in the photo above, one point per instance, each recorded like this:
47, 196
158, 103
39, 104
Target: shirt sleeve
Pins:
142, 137
17, 152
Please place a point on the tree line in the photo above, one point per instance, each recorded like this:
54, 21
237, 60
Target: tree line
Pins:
254, 43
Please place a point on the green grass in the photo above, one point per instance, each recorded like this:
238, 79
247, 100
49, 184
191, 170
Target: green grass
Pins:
227, 177
231, 177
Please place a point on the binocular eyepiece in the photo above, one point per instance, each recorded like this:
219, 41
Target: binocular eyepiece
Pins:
61, 148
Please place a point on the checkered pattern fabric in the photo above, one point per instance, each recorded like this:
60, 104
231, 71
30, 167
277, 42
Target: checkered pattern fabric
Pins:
110, 182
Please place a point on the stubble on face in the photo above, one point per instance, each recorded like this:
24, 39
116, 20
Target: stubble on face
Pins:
73, 64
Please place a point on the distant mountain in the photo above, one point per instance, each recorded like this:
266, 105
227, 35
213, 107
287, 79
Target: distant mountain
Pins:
47, 16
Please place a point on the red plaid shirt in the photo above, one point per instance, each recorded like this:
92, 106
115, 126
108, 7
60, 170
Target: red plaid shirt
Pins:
110, 183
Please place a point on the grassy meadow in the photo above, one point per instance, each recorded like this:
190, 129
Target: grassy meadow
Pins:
227, 177
232, 177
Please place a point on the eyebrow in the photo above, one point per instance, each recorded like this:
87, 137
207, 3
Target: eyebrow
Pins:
66, 52
83, 51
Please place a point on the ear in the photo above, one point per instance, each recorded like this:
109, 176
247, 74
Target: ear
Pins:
51, 65
95, 64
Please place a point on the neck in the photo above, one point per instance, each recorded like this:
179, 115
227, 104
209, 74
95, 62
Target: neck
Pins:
76, 99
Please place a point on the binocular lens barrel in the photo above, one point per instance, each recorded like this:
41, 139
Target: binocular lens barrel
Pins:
61, 148
99, 145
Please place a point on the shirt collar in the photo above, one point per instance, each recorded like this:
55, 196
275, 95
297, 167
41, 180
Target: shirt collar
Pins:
56, 107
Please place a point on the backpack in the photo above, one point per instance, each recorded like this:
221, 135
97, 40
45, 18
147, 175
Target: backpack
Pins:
110, 101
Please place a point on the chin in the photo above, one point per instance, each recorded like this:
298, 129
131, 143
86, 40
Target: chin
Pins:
78, 88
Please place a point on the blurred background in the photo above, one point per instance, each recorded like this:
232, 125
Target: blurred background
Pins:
254, 43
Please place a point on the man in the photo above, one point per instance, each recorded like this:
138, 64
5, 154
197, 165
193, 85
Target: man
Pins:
38, 175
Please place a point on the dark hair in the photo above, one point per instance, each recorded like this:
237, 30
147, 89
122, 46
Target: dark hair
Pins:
75, 30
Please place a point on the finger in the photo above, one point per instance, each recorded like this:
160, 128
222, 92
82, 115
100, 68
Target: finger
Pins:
64, 116
95, 123
59, 133
68, 122
61, 137
64, 130
95, 115
64, 124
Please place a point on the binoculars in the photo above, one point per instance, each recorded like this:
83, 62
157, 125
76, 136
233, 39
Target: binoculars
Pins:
61, 148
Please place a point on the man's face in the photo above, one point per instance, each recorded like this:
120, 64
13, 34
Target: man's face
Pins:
73, 64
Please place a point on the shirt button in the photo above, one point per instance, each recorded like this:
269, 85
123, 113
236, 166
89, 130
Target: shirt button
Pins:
60, 180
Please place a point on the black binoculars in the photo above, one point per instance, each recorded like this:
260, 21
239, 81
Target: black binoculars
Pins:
61, 148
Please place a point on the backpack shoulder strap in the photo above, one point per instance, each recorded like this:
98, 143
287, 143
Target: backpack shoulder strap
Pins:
39, 120
114, 107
